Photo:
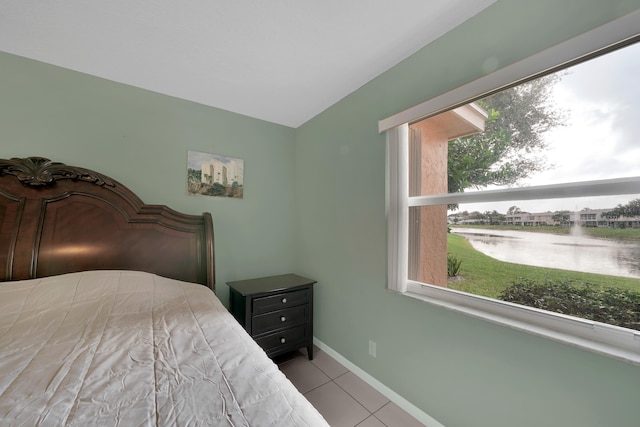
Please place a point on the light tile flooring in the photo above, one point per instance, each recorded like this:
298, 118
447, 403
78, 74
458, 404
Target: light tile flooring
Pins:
343, 399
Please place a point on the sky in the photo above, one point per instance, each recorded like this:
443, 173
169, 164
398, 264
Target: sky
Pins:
601, 138
195, 159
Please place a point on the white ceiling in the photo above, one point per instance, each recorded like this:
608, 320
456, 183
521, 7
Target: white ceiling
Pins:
283, 61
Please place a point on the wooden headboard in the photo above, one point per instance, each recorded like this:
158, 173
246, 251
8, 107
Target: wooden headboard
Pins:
57, 219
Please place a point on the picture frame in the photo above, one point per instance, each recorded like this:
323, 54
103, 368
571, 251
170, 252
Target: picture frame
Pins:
214, 175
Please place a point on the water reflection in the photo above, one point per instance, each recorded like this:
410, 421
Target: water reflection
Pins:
567, 252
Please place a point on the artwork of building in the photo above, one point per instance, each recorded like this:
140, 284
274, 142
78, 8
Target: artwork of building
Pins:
222, 171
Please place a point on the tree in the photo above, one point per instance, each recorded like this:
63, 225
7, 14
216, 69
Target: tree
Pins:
495, 217
513, 210
630, 210
512, 146
476, 215
561, 216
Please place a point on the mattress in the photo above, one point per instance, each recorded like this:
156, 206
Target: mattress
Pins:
124, 348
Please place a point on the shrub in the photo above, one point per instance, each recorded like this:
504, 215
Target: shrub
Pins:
453, 265
619, 307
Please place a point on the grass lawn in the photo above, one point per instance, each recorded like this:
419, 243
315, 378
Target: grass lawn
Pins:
483, 275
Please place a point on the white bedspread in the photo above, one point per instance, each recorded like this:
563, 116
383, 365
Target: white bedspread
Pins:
123, 348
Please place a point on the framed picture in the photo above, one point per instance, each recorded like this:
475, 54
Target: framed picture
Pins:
214, 175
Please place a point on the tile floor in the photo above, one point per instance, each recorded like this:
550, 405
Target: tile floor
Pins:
343, 399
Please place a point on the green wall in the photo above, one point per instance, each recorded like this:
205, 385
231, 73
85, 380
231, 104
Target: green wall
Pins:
457, 369
141, 138
314, 204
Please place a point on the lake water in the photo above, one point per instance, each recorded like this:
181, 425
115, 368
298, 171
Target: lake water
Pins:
567, 252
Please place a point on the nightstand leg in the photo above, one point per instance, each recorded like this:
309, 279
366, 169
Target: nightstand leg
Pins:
310, 352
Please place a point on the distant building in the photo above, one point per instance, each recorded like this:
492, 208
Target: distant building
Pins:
600, 218
583, 218
532, 219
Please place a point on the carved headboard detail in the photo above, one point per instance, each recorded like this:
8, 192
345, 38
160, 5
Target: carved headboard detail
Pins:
57, 219
38, 171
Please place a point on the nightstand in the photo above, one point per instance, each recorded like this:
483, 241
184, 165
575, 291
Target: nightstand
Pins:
277, 311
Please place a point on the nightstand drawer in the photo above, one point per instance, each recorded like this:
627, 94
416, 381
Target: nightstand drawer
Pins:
279, 319
280, 301
284, 340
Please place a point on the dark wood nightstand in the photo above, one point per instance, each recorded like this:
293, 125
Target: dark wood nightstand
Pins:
277, 311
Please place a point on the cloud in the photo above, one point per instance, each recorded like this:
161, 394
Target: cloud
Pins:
602, 101
609, 85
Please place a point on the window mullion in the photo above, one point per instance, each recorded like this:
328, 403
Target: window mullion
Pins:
606, 187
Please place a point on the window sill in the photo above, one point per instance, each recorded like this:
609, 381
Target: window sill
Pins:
612, 341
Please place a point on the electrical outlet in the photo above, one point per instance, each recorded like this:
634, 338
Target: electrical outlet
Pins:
372, 348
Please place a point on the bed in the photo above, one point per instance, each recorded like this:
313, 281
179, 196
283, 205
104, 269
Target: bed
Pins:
108, 315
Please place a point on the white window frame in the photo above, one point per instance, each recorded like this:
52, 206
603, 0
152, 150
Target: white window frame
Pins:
617, 342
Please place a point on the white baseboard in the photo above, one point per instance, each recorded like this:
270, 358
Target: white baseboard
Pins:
413, 410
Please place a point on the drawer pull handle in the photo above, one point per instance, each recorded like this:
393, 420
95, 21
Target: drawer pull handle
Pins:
283, 319
283, 340
284, 300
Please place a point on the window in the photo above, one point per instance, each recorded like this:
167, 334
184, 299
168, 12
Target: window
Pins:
518, 188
